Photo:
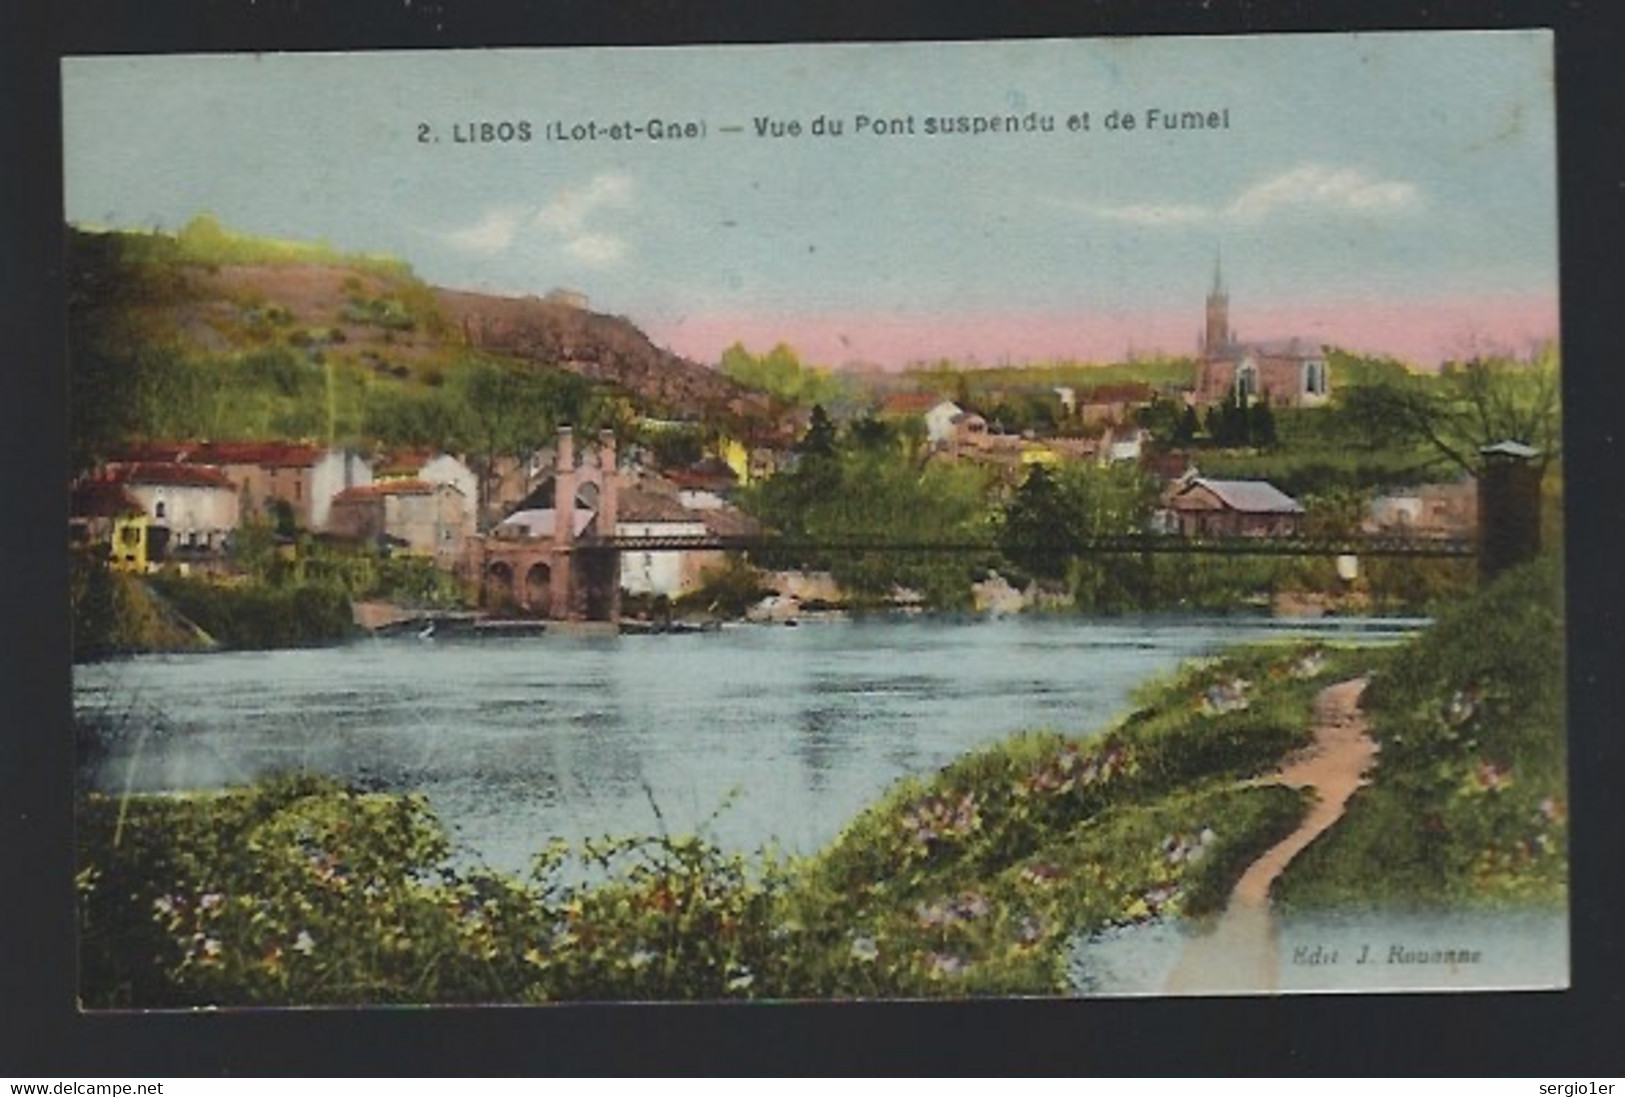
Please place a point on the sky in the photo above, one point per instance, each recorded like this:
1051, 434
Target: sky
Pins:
1390, 193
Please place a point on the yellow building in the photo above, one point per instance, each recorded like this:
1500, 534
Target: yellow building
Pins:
128, 551
102, 512
736, 455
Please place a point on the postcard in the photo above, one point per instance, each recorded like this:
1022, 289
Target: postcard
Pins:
1048, 518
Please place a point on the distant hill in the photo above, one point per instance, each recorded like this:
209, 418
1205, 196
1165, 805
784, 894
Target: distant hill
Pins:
210, 334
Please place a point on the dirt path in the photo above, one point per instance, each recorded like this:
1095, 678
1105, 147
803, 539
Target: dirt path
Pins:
1240, 954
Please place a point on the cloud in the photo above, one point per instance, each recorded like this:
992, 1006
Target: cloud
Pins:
568, 219
569, 210
1309, 188
1329, 190
493, 233
597, 249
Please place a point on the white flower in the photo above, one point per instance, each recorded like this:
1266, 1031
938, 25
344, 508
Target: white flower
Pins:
865, 949
304, 943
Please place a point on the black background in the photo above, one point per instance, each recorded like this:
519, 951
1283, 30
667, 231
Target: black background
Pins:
1560, 1035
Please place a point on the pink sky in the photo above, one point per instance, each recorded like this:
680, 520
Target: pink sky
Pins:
1422, 332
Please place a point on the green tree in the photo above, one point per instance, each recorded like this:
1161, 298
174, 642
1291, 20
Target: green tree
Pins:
420, 418
1261, 425
1041, 526
781, 373
1187, 427
869, 433
512, 409
1470, 405
1161, 418
253, 548
819, 441
877, 496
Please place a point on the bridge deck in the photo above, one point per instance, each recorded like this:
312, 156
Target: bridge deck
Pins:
1093, 546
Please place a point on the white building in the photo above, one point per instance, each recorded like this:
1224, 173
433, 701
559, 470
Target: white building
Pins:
192, 507
336, 470
443, 468
655, 572
940, 421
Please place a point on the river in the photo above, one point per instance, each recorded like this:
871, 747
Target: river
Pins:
518, 740
753, 734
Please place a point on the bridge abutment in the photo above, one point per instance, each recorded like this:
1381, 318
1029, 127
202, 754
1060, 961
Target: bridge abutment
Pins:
564, 575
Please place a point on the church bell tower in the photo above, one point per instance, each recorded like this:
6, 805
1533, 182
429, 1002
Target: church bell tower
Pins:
1218, 334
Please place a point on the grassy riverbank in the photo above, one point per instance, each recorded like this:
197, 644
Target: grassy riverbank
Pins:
299, 890
1468, 805
971, 881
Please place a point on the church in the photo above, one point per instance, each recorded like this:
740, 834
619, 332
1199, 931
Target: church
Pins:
1285, 373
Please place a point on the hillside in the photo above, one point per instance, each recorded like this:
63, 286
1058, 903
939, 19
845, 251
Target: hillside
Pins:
604, 348
208, 334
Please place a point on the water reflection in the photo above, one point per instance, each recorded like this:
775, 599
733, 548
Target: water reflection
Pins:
517, 740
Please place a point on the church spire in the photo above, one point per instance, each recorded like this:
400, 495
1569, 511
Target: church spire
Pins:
1217, 335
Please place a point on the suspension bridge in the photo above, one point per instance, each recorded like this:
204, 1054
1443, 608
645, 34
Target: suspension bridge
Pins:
1139, 544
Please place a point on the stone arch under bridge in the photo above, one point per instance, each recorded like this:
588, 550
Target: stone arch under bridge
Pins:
561, 574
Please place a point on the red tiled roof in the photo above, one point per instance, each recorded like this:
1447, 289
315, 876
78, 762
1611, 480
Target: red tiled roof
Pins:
405, 460
635, 505
910, 403
728, 522
269, 454
382, 488
275, 454
175, 473
102, 499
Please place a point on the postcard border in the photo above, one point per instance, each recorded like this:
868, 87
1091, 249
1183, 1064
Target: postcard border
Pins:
1573, 1031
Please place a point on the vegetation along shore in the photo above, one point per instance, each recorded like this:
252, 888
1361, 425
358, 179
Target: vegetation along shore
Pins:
974, 880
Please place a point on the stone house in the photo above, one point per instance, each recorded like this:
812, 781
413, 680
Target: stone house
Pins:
704, 485
424, 519
299, 475
191, 510
1428, 510
432, 467
1112, 405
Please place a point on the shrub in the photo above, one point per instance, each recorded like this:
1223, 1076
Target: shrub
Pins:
261, 617
729, 589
